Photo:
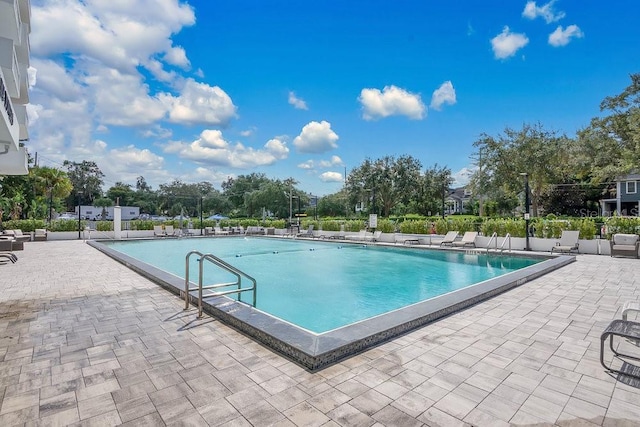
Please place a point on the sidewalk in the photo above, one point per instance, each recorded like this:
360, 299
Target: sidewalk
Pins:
86, 341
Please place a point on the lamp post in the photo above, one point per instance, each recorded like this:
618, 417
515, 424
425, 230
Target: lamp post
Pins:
79, 218
526, 210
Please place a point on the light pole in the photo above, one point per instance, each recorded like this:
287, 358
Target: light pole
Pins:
526, 210
79, 220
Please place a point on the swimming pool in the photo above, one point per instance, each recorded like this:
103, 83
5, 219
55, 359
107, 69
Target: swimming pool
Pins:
320, 297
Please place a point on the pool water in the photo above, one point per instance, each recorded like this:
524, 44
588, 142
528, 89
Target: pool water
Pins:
321, 286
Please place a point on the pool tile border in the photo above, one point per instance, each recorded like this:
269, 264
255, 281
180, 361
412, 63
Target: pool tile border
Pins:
317, 351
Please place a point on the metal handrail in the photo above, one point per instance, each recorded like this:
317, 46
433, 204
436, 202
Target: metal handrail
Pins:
225, 266
494, 238
506, 238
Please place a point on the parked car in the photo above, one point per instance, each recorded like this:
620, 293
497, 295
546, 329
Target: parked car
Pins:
68, 215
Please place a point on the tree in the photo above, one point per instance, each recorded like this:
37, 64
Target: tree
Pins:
104, 203
236, 188
51, 186
432, 189
86, 178
385, 182
122, 193
610, 145
541, 154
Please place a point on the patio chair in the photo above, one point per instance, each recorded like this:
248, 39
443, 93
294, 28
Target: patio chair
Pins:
17, 235
374, 237
220, 231
308, 233
360, 236
170, 231
40, 235
624, 329
158, 231
625, 245
6, 250
568, 242
8, 256
449, 238
468, 239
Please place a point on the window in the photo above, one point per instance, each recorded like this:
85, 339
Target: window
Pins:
631, 187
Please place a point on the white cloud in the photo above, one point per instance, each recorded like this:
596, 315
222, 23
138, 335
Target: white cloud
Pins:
122, 99
248, 132
532, 11
298, 103
316, 138
506, 44
445, 94
462, 177
331, 177
212, 149
199, 103
391, 101
308, 165
53, 78
334, 161
324, 164
177, 56
562, 37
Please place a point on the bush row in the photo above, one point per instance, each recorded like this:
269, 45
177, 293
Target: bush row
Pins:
548, 227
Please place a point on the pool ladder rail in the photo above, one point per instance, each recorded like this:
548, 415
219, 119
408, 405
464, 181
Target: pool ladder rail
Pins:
494, 240
206, 291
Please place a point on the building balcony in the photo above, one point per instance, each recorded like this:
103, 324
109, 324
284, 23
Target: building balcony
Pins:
9, 126
9, 66
23, 121
13, 162
10, 19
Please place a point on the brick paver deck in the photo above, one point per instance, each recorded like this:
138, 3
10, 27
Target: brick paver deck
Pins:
85, 341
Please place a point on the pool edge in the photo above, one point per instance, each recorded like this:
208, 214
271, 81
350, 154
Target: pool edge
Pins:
317, 351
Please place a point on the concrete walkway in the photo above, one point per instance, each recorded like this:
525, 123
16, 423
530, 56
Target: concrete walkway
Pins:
85, 341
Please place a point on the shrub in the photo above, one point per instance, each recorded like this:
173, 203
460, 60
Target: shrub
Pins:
106, 226
26, 225
414, 227
66, 225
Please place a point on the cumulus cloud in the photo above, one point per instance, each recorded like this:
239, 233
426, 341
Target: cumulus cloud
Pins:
331, 177
532, 11
52, 77
297, 103
324, 164
316, 138
506, 44
211, 148
199, 103
463, 176
445, 94
391, 101
562, 37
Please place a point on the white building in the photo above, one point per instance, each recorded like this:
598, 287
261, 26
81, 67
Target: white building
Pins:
15, 26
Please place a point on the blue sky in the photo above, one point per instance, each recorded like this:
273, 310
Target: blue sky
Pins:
204, 90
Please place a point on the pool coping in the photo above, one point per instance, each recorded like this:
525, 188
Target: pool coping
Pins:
317, 351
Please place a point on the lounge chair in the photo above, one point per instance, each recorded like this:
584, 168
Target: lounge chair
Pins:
625, 245
469, 239
220, 231
374, 237
40, 235
8, 256
625, 330
209, 231
158, 231
170, 232
362, 234
308, 233
449, 238
568, 242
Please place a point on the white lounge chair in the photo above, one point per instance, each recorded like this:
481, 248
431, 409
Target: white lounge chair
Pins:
469, 239
170, 231
374, 237
362, 234
449, 238
220, 231
568, 242
158, 231
308, 233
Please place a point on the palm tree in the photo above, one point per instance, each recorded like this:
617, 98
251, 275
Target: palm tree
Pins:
52, 182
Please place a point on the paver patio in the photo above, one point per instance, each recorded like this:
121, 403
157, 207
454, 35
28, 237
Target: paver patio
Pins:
86, 341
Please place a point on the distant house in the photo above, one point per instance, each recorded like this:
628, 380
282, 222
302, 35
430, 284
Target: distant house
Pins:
457, 200
627, 197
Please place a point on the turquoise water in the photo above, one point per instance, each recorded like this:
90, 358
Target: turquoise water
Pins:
321, 286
